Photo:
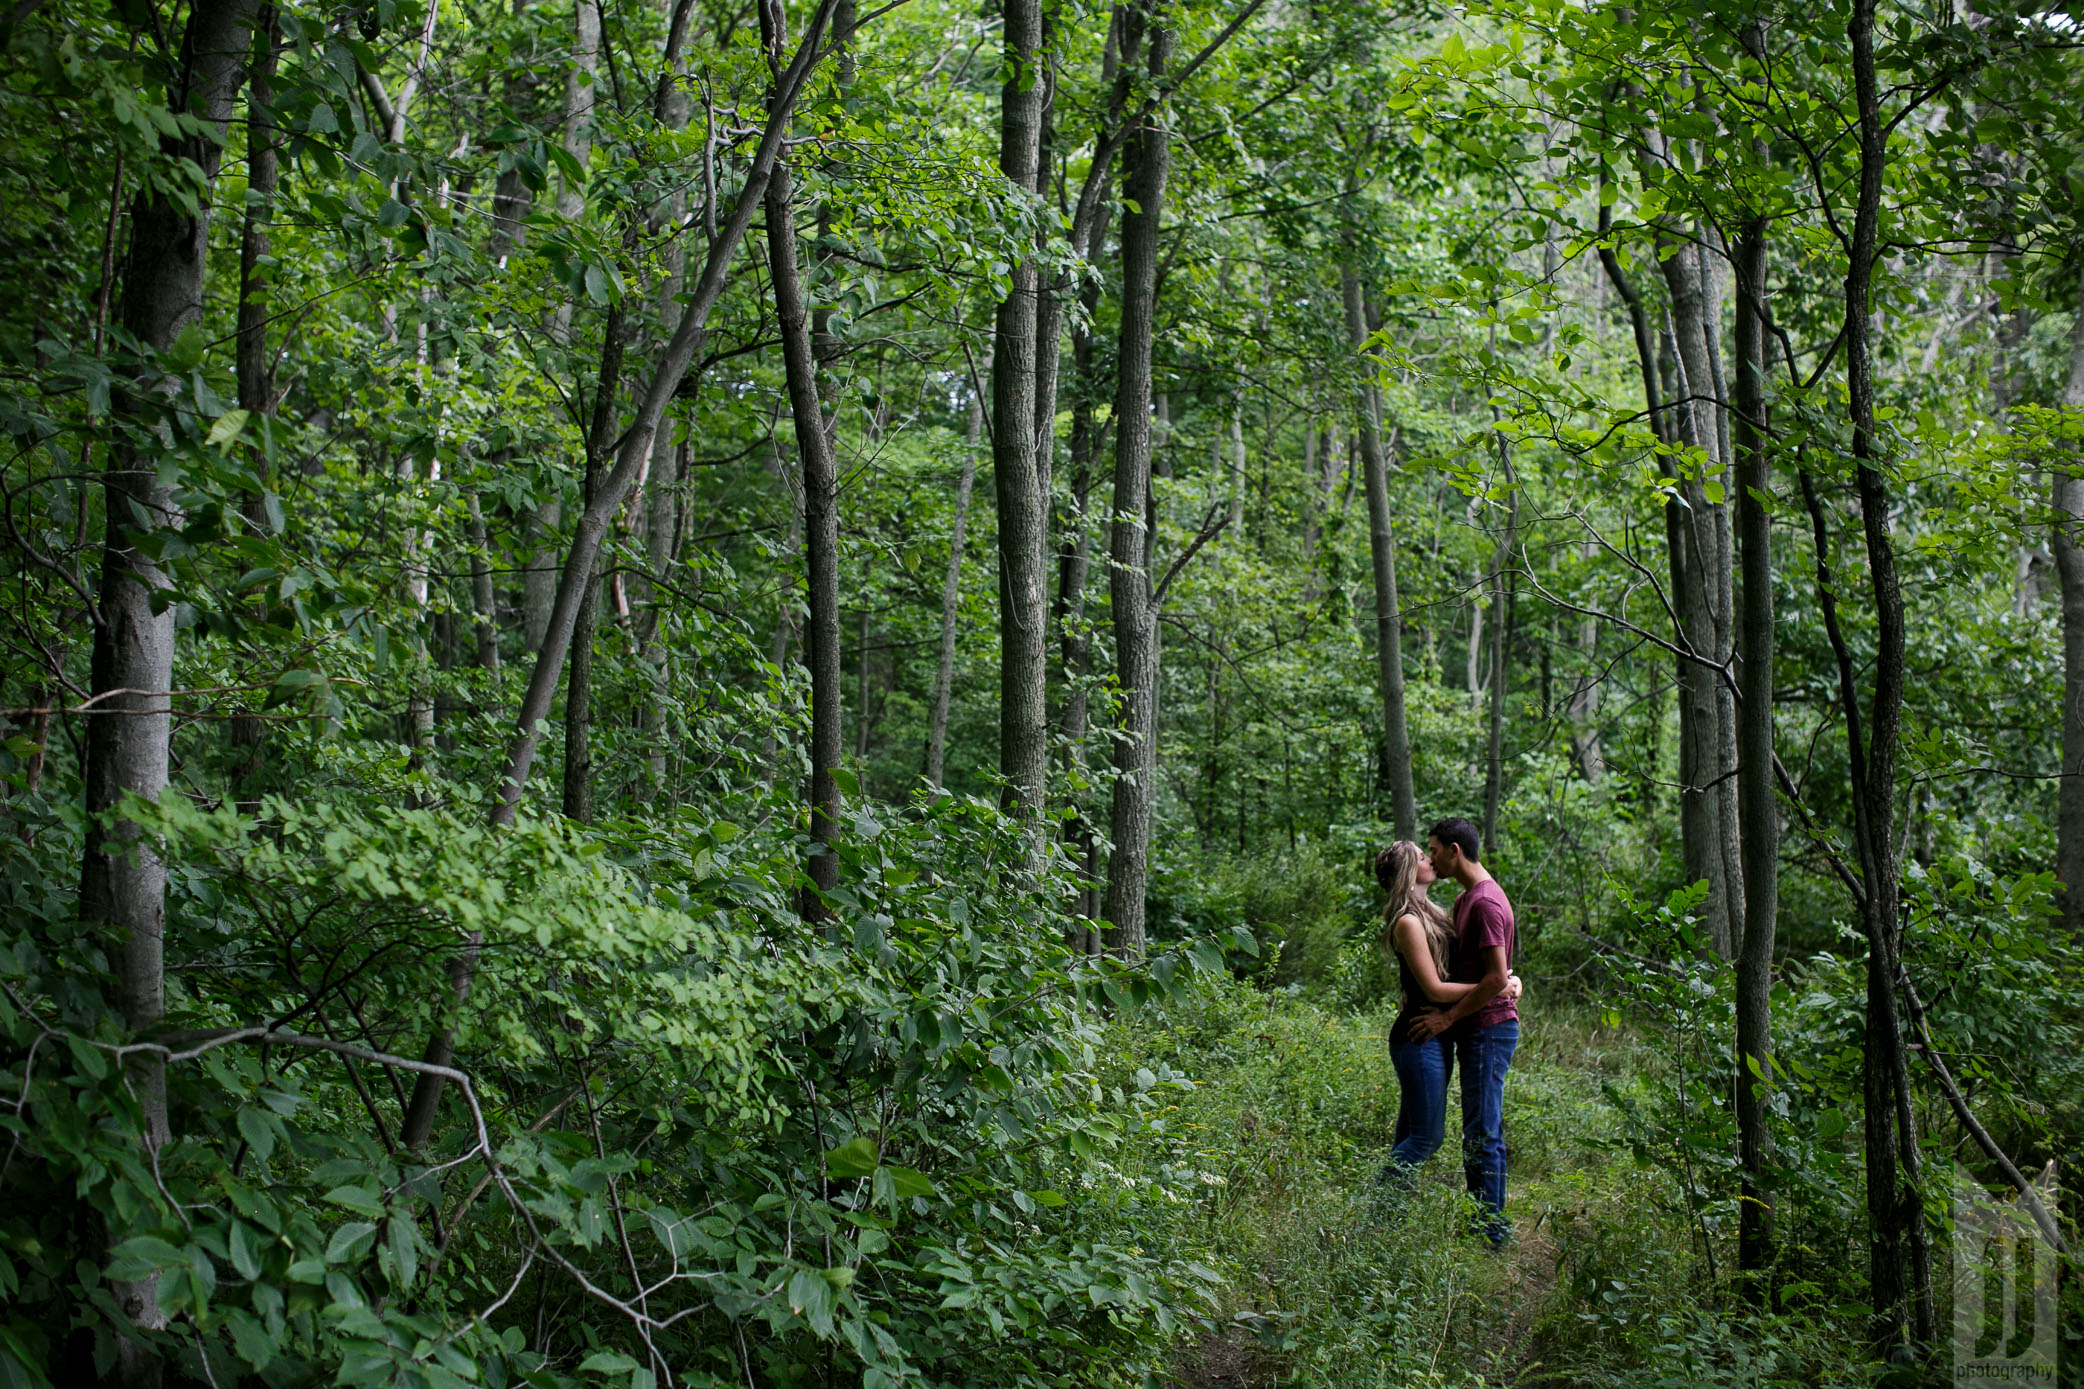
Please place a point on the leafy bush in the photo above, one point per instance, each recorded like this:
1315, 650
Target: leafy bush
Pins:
690, 1135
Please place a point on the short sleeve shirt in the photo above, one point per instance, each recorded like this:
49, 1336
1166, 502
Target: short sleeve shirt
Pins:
1482, 919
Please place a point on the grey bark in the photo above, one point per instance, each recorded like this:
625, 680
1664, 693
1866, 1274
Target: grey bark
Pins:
1707, 708
483, 601
661, 527
1899, 1285
820, 537
539, 579
1757, 807
122, 878
578, 692
951, 597
1389, 620
1129, 578
670, 108
1503, 592
2063, 539
1017, 466
634, 448
255, 381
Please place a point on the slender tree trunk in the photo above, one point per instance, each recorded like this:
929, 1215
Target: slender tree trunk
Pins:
634, 448
483, 601
1758, 810
1894, 1204
1237, 475
256, 386
1503, 590
1129, 578
1389, 620
539, 579
578, 691
661, 525
1017, 467
122, 878
951, 598
862, 673
670, 107
821, 538
2063, 539
1706, 603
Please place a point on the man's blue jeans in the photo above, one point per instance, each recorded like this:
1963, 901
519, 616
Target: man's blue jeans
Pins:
1486, 1055
1422, 1072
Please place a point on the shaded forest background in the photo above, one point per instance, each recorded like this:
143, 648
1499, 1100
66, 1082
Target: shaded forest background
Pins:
698, 693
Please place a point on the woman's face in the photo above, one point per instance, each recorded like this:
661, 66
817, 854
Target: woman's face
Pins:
1425, 876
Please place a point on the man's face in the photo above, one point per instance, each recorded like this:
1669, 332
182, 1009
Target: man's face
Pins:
1443, 856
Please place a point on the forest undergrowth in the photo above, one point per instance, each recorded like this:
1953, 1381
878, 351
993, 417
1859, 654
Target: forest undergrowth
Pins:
1331, 1282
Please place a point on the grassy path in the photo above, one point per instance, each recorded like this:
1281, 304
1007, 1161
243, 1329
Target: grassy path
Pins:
1333, 1285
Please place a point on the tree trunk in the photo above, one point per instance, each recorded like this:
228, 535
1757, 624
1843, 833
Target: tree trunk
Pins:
670, 107
951, 597
1758, 810
1707, 709
122, 878
1017, 468
578, 691
862, 674
539, 579
2068, 498
1389, 621
255, 381
635, 447
484, 603
820, 538
1894, 1204
661, 527
1503, 588
1129, 579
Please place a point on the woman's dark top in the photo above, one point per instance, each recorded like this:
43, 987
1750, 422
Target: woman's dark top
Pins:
1400, 1030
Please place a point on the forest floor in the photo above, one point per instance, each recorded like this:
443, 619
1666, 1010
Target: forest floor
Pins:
1329, 1287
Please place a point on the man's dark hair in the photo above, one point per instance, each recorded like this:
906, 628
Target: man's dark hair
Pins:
1460, 833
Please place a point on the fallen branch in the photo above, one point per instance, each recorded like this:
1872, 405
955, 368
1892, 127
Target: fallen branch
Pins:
1981, 1135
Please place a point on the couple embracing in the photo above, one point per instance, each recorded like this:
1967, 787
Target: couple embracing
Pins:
1460, 1005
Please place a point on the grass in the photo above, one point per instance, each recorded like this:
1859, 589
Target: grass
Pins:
1266, 1169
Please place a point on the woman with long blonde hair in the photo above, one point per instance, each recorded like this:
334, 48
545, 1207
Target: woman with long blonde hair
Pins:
1416, 930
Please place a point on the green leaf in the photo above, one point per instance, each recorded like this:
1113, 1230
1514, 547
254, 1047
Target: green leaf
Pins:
245, 1250
290, 684
854, 1158
259, 1132
350, 1242
89, 1058
227, 427
356, 1198
607, 1362
404, 1246
186, 351
250, 1338
811, 1296
908, 1183
140, 1256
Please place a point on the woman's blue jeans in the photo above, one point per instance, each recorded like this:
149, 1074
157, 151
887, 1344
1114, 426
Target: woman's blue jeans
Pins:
1422, 1072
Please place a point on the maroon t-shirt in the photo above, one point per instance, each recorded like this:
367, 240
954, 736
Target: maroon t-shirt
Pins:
1482, 919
